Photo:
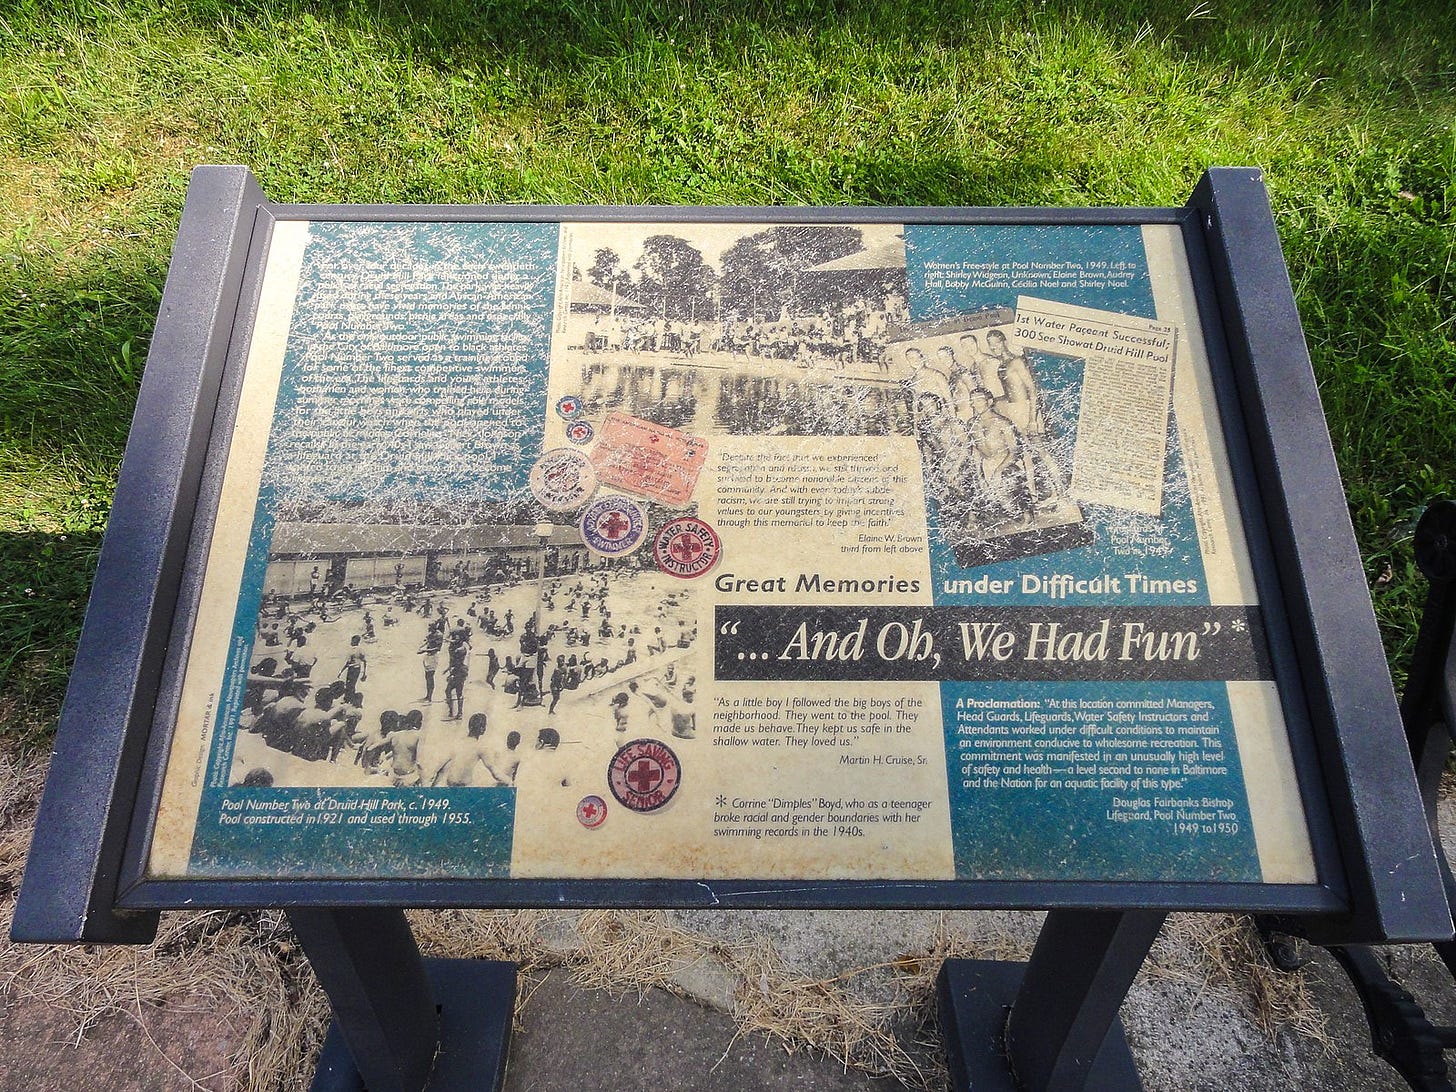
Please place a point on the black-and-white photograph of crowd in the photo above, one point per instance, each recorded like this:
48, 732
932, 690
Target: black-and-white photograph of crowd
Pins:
740, 330
994, 461
448, 655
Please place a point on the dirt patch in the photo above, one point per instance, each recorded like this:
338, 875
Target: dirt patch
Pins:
187, 1045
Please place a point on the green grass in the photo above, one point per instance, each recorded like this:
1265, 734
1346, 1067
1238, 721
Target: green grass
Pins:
1348, 108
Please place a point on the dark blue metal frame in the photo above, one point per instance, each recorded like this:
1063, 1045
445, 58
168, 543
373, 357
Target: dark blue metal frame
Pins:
1400, 1031
1351, 703
86, 878
71, 877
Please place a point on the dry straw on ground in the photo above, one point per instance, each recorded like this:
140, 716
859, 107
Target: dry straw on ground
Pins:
1224, 952
243, 967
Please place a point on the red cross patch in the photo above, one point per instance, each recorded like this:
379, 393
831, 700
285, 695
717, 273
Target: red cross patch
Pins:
687, 547
613, 526
591, 812
644, 775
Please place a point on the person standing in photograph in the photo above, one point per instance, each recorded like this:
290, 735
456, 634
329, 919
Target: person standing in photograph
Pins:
618, 705
458, 769
684, 717
650, 691
430, 650
975, 357
404, 749
921, 379
950, 367
543, 657
994, 440
558, 682
354, 671
506, 765
455, 675
1021, 405
943, 447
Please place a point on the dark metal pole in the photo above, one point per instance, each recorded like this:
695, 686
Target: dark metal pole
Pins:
1429, 704
1080, 970
368, 963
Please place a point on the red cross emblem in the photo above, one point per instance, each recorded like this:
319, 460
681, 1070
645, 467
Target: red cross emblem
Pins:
613, 526
591, 812
686, 548
646, 775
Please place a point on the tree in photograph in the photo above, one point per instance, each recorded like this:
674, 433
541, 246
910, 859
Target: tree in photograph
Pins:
673, 280
762, 272
606, 271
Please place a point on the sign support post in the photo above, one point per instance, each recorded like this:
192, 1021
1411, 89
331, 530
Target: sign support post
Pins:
368, 963
1048, 1025
403, 1023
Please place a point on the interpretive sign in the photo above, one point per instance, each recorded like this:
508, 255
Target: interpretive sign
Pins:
519, 556
708, 550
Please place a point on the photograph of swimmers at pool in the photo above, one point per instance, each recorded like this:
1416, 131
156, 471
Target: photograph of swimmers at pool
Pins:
452, 656
994, 464
739, 329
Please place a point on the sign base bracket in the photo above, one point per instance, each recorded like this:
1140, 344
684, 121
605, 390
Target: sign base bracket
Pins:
403, 1023
1048, 1025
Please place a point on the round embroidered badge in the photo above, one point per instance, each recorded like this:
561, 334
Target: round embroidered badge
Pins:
591, 812
563, 479
686, 547
613, 526
644, 775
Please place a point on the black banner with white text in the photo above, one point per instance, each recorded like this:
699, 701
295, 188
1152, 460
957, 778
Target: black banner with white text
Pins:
933, 644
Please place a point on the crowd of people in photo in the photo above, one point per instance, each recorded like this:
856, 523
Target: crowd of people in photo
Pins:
980, 417
857, 333
658, 373
570, 643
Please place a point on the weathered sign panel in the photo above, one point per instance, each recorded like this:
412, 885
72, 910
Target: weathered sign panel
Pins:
713, 550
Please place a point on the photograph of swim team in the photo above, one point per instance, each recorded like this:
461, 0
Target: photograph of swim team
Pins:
436, 653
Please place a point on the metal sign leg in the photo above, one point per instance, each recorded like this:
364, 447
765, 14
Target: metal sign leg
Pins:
402, 1023
1049, 1025
369, 965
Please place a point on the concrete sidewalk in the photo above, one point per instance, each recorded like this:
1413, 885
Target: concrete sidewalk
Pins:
1189, 1032
572, 1039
